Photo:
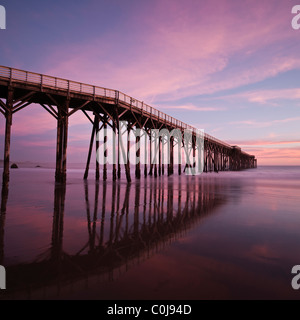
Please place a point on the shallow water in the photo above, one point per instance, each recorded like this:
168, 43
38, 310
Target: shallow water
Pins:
227, 235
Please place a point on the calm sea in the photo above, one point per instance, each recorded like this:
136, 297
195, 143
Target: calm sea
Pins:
226, 235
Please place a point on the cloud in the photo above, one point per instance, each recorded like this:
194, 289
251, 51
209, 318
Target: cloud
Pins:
263, 124
182, 50
275, 156
266, 96
272, 151
193, 108
32, 120
265, 142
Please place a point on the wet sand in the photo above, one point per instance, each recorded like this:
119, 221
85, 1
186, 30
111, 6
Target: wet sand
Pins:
231, 235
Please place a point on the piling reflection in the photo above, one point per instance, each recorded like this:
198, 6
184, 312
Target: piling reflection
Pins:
56, 250
4, 198
125, 223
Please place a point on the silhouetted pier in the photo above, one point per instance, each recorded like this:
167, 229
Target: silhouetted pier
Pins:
105, 108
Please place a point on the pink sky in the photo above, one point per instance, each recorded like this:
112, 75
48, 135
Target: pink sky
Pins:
230, 68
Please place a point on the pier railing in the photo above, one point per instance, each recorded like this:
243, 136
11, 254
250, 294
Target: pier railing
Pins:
45, 81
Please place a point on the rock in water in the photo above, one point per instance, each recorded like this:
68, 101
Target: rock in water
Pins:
14, 166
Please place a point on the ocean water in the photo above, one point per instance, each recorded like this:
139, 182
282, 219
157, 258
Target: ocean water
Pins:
226, 235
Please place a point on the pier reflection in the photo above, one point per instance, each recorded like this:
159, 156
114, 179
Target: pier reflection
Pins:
125, 224
4, 198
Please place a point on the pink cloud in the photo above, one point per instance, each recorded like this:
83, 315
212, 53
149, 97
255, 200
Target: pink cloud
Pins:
184, 50
272, 151
193, 108
263, 124
35, 120
265, 96
30, 121
265, 142
276, 156
49, 143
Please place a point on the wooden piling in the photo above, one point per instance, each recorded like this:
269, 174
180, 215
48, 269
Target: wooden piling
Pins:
114, 170
96, 124
171, 164
172, 154
155, 153
105, 151
62, 142
216, 160
138, 154
8, 124
65, 140
119, 149
127, 165
194, 152
163, 158
159, 155
90, 153
59, 138
151, 154
145, 154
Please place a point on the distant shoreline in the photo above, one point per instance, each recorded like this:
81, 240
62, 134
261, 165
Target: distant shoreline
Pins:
44, 165
50, 165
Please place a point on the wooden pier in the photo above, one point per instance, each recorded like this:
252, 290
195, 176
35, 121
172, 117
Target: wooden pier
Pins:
107, 108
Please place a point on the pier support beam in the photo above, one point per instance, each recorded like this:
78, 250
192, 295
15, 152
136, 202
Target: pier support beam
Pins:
58, 147
205, 158
119, 151
8, 124
216, 160
96, 125
155, 168
194, 152
146, 154
179, 155
61, 142
127, 165
105, 151
90, 153
65, 141
114, 170
159, 155
151, 154
171, 165
162, 156
138, 154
